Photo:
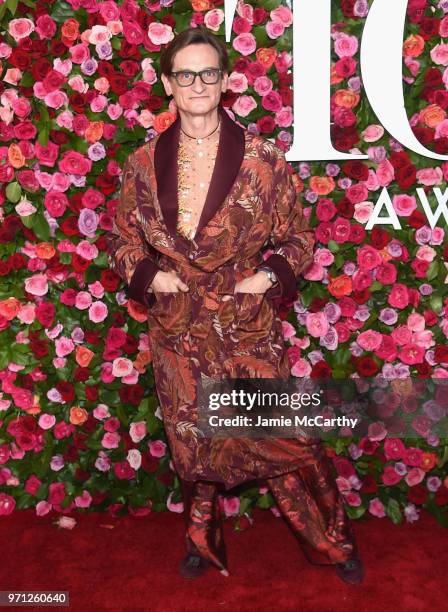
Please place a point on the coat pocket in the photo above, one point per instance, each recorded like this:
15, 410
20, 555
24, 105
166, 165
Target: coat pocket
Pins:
253, 314
171, 311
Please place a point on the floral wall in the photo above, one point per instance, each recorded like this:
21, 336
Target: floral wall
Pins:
80, 426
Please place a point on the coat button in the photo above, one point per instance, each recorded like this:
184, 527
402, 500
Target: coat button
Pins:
190, 256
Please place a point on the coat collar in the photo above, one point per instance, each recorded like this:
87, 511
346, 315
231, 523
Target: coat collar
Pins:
229, 157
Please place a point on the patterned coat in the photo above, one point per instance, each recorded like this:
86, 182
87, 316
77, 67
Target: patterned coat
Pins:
209, 331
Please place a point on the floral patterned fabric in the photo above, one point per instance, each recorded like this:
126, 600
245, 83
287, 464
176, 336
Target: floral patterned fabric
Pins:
210, 331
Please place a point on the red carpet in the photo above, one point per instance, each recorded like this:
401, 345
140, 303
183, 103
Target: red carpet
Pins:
134, 566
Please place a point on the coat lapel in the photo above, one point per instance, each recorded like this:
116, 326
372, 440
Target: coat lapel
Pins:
229, 158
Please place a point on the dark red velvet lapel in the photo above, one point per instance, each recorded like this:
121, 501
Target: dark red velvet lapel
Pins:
228, 162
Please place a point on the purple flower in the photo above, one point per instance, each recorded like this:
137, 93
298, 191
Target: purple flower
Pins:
333, 312
311, 196
400, 468
349, 268
425, 289
330, 340
433, 483
104, 50
354, 83
88, 222
361, 8
96, 151
284, 136
395, 248
388, 316
376, 154
433, 439
344, 183
423, 235
89, 66
332, 169
411, 513
304, 170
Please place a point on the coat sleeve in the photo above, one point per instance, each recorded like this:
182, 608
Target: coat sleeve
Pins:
129, 253
292, 238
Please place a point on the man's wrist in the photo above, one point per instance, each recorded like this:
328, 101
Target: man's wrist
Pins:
270, 274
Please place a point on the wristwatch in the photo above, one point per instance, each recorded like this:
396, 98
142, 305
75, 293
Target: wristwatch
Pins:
271, 274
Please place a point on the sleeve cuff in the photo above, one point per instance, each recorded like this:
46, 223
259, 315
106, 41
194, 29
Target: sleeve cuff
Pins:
287, 282
143, 276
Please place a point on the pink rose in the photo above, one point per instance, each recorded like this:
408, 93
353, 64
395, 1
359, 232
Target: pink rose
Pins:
64, 346
56, 203
20, 28
121, 367
412, 354
387, 349
237, 82
79, 53
283, 15
37, 284
159, 33
385, 173
386, 274
213, 19
98, 312
376, 508
431, 176
83, 300
439, 54
414, 476
352, 498
46, 421
56, 99
416, 322
111, 439
245, 43
398, 296
84, 500
42, 508
317, 324
275, 29
137, 431
404, 205
413, 456
345, 45
231, 505
272, 101
369, 340
157, 448
244, 105
394, 449
368, 257
73, 162
172, 506
402, 335
45, 27
390, 476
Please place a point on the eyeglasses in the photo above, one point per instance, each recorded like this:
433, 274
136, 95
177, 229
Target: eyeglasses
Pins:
184, 78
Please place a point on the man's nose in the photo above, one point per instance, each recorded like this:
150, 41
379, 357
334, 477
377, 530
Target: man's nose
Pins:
197, 80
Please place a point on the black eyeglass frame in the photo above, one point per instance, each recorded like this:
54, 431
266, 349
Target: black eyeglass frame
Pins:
195, 74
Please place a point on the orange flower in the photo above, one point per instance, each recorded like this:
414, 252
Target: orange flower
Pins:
322, 185
162, 121
83, 356
95, 131
340, 285
137, 311
413, 45
334, 78
78, 415
346, 98
266, 56
9, 308
201, 5
15, 156
429, 460
35, 408
142, 360
45, 250
432, 115
70, 29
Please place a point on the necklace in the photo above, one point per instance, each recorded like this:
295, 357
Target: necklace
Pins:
199, 140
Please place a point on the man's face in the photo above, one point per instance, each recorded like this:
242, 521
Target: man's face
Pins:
197, 98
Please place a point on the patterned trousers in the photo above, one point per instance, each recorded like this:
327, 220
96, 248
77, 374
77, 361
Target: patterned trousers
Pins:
307, 498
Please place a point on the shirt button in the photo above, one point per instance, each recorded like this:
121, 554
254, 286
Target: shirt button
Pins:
199, 140
200, 153
190, 256
201, 184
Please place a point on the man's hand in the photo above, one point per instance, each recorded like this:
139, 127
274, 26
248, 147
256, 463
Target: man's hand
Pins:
257, 283
167, 282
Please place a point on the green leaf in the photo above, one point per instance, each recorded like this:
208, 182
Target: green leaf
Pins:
333, 246
41, 227
62, 11
393, 511
13, 192
12, 6
355, 512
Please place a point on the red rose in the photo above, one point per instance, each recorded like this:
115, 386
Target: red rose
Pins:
429, 27
110, 280
259, 15
91, 393
45, 313
321, 370
344, 138
81, 374
92, 337
441, 145
441, 354
107, 183
441, 496
39, 348
79, 264
123, 471
399, 159
406, 176
154, 103
347, 7
19, 59
369, 485
66, 390
40, 68
417, 494
430, 318
266, 124
379, 238
69, 226
357, 233
345, 208
118, 83
366, 366
424, 135
356, 170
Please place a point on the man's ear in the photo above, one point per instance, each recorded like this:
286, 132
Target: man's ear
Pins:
225, 79
166, 85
